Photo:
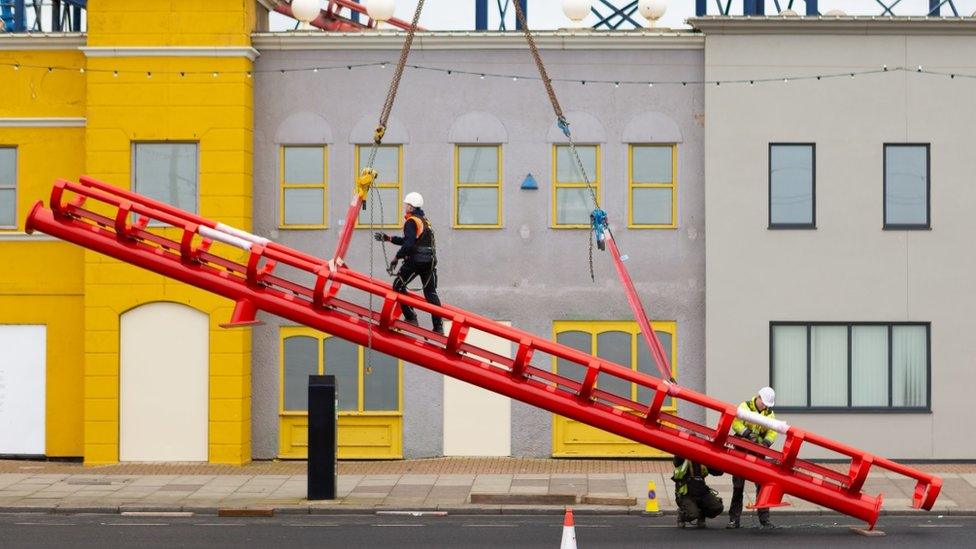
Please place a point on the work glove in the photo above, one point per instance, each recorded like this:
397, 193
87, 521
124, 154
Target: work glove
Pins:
393, 266
767, 443
381, 237
747, 434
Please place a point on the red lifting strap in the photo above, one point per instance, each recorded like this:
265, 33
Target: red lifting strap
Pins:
254, 284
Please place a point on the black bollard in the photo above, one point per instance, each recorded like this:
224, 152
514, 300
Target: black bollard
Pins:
323, 409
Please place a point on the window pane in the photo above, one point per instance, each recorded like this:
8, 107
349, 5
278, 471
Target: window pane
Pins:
573, 206
909, 354
8, 166
869, 366
168, 173
652, 165
791, 184
652, 206
301, 361
477, 206
906, 186
8, 207
615, 347
342, 361
380, 376
828, 366
478, 164
304, 206
790, 365
567, 170
646, 364
581, 341
304, 164
387, 163
387, 208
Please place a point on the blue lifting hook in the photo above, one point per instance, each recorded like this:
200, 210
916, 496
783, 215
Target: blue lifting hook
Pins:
598, 218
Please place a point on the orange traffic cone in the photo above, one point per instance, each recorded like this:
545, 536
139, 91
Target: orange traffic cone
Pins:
569, 531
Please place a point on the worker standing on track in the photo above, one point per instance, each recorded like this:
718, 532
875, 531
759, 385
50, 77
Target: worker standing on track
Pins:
762, 404
419, 255
696, 501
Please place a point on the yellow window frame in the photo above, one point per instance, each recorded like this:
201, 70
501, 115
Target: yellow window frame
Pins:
458, 186
631, 185
283, 185
292, 331
597, 327
557, 184
382, 184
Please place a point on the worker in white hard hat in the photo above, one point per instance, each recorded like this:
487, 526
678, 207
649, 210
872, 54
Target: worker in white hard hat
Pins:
418, 252
761, 404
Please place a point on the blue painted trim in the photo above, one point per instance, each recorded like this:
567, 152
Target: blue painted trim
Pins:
481, 15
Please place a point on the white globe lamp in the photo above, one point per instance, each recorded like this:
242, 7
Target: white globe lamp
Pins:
652, 10
305, 11
380, 10
576, 11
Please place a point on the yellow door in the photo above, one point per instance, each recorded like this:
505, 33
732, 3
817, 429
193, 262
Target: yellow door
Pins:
619, 342
369, 387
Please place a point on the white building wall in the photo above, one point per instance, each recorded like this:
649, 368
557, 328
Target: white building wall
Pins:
848, 268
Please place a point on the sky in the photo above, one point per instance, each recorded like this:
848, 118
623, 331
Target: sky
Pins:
547, 14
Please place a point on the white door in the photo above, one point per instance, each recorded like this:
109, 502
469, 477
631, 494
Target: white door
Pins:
22, 393
477, 422
163, 384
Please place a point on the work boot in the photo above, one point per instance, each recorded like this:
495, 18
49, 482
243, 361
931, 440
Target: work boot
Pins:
733, 523
439, 328
411, 321
766, 525
681, 522
700, 523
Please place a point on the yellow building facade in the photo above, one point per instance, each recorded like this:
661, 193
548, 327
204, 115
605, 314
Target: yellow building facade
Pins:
148, 75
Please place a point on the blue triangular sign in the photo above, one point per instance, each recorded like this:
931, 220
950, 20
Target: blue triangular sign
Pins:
529, 183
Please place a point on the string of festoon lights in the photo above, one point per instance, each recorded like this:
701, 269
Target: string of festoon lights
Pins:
784, 79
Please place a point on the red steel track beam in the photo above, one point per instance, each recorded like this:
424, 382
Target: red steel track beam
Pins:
255, 286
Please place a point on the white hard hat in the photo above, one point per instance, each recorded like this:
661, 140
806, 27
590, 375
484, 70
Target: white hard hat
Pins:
414, 199
768, 396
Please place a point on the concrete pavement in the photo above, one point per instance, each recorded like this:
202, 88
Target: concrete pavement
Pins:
456, 485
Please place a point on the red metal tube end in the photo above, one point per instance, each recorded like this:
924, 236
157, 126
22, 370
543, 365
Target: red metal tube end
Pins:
877, 511
935, 486
29, 225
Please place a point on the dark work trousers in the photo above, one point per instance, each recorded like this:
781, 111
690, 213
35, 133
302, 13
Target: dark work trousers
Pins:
735, 507
428, 277
707, 505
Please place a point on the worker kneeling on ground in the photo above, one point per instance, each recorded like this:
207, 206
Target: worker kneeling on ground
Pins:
762, 404
417, 250
696, 501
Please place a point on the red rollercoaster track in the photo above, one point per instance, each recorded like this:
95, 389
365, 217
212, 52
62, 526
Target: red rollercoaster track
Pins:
207, 254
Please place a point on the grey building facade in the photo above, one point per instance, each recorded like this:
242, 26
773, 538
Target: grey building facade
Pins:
522, 268
838, 213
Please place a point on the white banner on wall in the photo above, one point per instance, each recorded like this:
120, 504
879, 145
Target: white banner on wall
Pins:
23, 350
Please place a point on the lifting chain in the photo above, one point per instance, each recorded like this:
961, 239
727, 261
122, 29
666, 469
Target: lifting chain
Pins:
371, 159
560, 118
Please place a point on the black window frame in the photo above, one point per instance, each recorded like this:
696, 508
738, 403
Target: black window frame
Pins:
928, 190
769, 187
849, 408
